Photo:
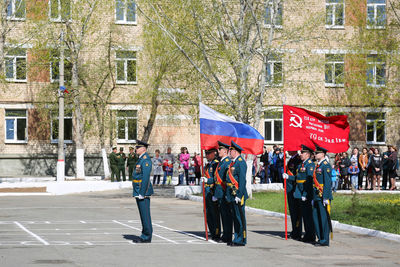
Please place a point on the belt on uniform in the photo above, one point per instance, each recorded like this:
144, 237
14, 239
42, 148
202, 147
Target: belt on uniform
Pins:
229, 184
319, 184
209, 185
137, 181
300, 181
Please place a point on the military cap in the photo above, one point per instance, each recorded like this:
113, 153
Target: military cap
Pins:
306, 149
131, 147
236, 147
223, 145
114, 148
319, 149
121, 149
141, 144
210, 150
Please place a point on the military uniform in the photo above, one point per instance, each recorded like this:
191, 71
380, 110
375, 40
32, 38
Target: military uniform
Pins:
212, 213
322, 180
121, 165
114, 166
294, 206
220, 192
236, 188
142, 190
131, 162
302, 199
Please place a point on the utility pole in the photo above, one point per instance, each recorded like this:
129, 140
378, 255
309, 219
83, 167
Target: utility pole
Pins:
61, 158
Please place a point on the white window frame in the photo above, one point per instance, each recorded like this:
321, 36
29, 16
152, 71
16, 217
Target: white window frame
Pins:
375, 122
59, 18
126, 118
273, 120
125, 60
334, 63
373, 65
55, 141
14, 59
271, 62
124, 21
66, 59
15, 118
334, 6
13, 7
273, 16
375, 6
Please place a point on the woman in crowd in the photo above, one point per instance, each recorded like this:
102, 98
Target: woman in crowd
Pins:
344, 164
363, 163
393, 164
157, 167
197, 167
376, 165
184, 159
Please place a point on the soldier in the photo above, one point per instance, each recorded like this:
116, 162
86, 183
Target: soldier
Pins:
213, 218
294, 206
303, 195
322, 184
220, 192
131, 162
236, 193
121, 158
142, 190
114, 165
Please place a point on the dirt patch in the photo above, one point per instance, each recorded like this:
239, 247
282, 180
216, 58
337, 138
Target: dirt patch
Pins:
23, 190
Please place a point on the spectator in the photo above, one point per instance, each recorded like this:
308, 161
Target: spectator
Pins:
197, 167
261, 173
353, 172
369, 168
264, 159
376, 165
344, 164
335, 177
277, 166
157, 167
184, 159
169, 160
385, 167
393, 166
181, 173
363, 163
355, 155
192, 174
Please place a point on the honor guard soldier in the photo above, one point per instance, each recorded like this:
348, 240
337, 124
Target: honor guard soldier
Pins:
213, 217
121, 163
303, 195
236, 193
142, 190
131, 162
220, 192
114, 165
322, 185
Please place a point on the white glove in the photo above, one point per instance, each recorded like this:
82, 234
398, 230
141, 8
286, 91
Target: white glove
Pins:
303, 198
285, 176
214, 199
204, 179
312, 203
326, 202
140, 197
237, 200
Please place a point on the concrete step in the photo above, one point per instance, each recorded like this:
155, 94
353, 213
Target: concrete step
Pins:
164, 191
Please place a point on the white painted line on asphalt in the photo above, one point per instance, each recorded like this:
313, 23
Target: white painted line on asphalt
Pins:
82, 221
126, 225
185, 233
32, 234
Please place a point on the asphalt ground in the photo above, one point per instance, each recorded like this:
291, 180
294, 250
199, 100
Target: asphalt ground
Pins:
97, 229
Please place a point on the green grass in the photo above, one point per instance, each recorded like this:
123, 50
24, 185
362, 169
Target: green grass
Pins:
374, 211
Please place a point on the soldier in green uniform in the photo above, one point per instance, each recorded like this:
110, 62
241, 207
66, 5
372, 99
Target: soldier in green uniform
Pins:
322, 187
303, 195
131, 162
213, 217
236, 193
114, 165
142, 190
220, 191
121, 158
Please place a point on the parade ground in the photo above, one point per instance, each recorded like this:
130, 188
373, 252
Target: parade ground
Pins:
98, 229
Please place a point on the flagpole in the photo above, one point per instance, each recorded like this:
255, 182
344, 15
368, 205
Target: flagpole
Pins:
204, 196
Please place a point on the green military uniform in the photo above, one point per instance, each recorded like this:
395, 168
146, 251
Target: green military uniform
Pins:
121, 158
236, 188
322, 199
131, 162
302, 198
142, 190
114, 166
213, 217
294, 206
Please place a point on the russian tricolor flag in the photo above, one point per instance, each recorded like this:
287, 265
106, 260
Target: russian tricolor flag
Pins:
215, 127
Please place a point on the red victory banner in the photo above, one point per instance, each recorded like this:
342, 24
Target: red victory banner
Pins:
309, 128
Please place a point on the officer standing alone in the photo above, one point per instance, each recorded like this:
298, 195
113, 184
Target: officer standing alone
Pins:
114, 165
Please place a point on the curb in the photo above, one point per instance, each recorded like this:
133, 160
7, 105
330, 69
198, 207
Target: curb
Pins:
335, 224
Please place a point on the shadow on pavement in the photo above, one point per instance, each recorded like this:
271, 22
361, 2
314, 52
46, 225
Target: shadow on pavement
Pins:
280, 234
133, 238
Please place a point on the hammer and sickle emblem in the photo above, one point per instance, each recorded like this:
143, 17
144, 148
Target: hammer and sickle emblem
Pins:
295, 120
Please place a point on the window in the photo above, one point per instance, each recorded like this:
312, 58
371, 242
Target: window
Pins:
16, 125
375, 128
376, 14
60, 10
125, 11
126, 67
67, 128
274, 14
55, 66
15, 9
15, 66
334, 70
376, 70
334, 14
273, 126
126, 126
274, 70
